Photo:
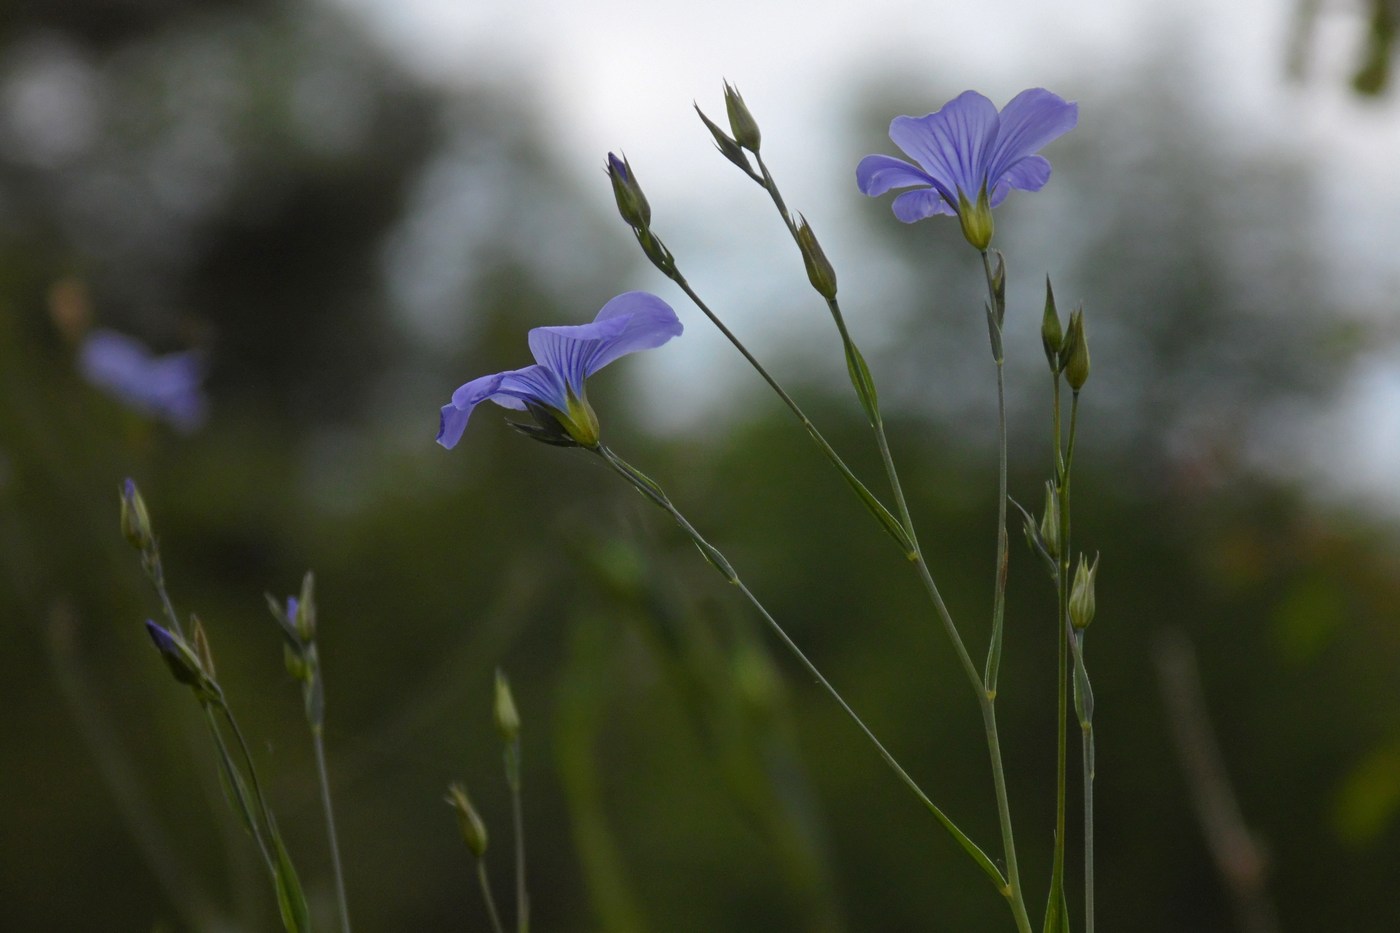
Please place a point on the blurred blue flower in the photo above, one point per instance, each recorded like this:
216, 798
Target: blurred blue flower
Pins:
969, 157
553, 389
165, 387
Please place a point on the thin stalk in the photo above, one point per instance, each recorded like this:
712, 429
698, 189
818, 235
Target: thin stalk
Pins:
256, 821
652, 491
1087, 752
318, 743
1003, 556
834, 306
898, 530
486, 895
522, 900
1062, 470
985, 691
1072, 641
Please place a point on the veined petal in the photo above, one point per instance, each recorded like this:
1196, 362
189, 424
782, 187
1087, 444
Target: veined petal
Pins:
877, 174
953, 144
1032, 119
916, 205
1029, 174
510, 389
630, 322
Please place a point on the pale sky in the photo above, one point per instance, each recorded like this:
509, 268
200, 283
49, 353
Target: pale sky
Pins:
613, 75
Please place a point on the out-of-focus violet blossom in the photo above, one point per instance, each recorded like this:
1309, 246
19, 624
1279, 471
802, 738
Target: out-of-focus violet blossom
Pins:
166, 387
553, 389
969, 157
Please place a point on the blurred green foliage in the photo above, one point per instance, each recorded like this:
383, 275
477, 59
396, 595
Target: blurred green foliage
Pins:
347, 245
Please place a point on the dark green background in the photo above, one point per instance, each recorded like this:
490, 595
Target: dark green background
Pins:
681, 772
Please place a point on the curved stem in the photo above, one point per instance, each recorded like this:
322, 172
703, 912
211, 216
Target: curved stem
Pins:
323, 776
496, 926
890, 523
652, 491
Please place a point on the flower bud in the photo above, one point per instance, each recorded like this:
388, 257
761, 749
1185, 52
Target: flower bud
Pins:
631, 203
976, 219
728, 148
468, 820
302, 612
999, 286
741, 122
1050, 522
183, 662
1075, 353
507, 719
135, 521
819, 270
1081, 596
1051, 335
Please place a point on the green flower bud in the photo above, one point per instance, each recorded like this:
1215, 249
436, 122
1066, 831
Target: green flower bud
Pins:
1050, 522
631, 203
1075, 353
728, 148
468, 820
184, 664
135, 521
999, 286
819, 270
507, 719
741, 122
1051, 335
976, 219
305, 620
1081, 595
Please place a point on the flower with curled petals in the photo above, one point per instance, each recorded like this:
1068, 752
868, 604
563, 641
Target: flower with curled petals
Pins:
553, 389
969, 157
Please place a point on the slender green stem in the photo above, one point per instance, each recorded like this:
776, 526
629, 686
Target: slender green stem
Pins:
486, 895
318, 743
652, 491
252, 809
1003, 557
1062, 581
522, 900
156, 571
834, 306
1087, 752
1072, 641
891, 524
985, 691
1010, 885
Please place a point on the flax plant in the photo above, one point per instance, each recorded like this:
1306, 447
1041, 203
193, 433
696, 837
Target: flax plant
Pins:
970, 156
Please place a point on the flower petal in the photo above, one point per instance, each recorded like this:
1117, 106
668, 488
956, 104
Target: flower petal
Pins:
1032, 119
916, 205
1029, 174
451, 423
952, 144
630, 322
511, 389
877, 174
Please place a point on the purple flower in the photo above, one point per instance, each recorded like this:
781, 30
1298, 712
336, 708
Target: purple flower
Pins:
165, 387
553, 389
969, 157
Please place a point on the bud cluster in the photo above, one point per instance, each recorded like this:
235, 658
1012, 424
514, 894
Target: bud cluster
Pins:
1067, 350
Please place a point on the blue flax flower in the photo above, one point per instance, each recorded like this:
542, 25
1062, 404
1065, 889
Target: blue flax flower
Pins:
553, 389
165, 387
969, 157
